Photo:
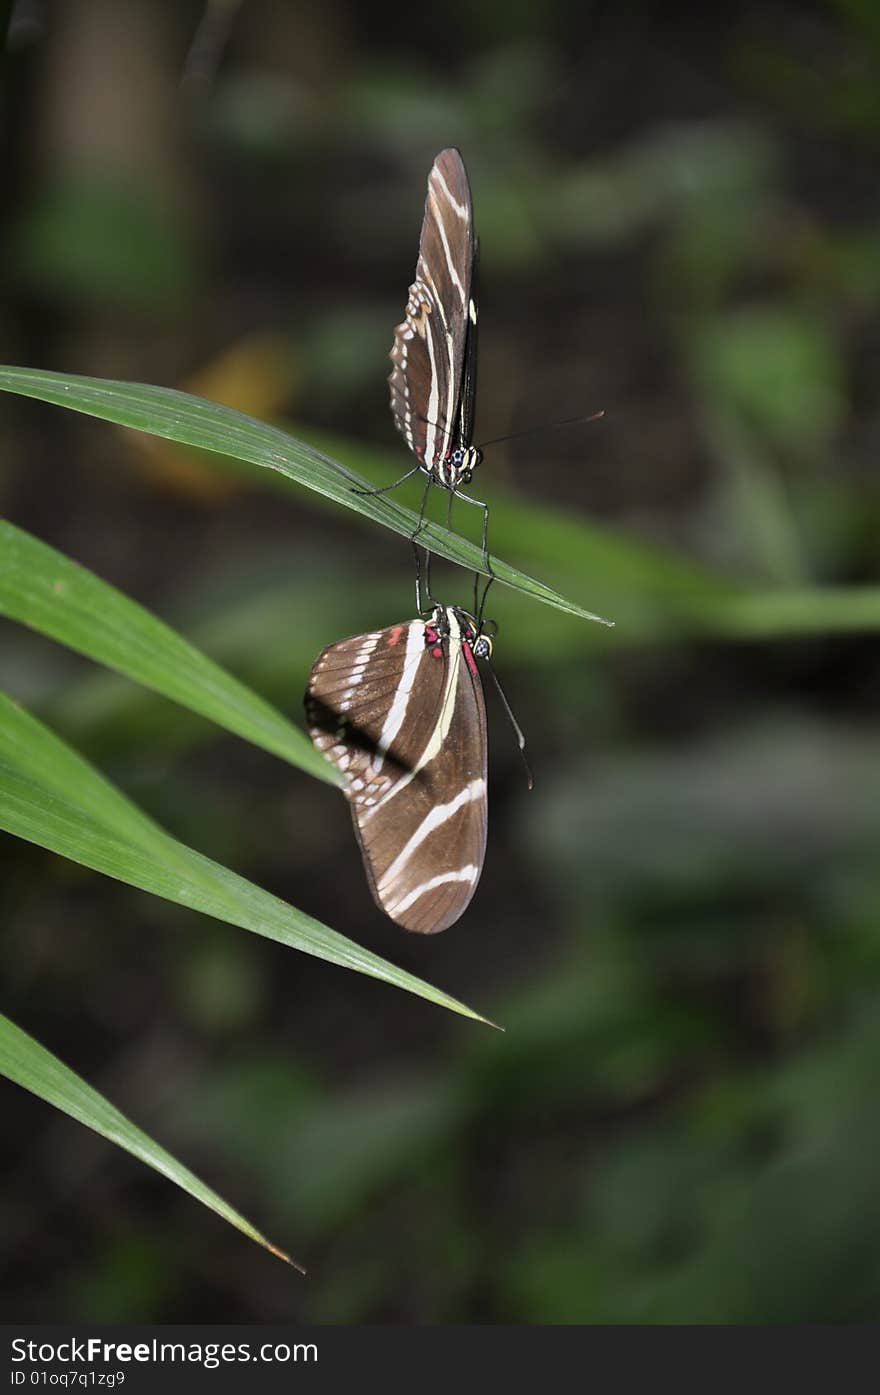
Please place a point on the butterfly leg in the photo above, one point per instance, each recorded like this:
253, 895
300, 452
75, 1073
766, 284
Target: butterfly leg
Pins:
421, 523
487, 562
485, 507
371, 493
416, 553
421, 607
480, 606
432, 600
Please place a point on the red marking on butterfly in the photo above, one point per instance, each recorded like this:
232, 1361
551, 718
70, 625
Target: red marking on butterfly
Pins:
396, 632
471, 661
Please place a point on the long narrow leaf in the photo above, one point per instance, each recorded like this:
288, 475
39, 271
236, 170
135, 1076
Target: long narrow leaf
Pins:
178, 416
657, 594
25, 1062
52, 797
47, 591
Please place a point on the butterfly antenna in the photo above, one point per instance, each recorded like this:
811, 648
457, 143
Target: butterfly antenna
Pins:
545, 426
517, 729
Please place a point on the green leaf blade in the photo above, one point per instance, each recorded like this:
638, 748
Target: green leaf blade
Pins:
50, 796
193, 421
45, 590
28, 1064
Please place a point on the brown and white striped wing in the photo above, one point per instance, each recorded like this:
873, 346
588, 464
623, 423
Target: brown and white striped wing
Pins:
429, 348
405, 721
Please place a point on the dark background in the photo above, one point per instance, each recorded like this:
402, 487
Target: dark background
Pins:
678, 928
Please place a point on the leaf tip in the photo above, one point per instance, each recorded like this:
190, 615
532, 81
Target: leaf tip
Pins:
282, 1254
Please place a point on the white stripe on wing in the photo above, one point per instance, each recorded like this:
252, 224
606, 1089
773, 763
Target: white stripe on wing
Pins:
451, 377
450, 264
415, 648
444, 721
461, 209
464, 874
439, 815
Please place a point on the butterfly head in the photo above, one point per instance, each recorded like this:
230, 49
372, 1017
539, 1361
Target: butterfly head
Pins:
478, 642
464, 460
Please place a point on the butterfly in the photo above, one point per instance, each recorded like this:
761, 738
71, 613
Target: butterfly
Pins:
433, 381
400, 713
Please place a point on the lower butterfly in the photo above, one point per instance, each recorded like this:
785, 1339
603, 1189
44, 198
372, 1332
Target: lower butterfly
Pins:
400, 712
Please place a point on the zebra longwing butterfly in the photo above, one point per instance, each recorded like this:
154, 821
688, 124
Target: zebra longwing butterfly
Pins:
434, 379
400, 712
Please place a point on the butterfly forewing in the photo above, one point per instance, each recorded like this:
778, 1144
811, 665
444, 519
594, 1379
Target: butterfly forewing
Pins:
434, 349
400, 712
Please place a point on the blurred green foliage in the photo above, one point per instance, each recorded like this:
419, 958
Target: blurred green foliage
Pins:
81, 239
679, 927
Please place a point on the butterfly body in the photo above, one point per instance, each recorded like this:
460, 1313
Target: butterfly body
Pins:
401, 714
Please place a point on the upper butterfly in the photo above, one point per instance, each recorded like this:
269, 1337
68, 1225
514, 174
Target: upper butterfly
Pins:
400, 713
434, 379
